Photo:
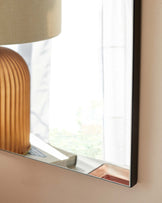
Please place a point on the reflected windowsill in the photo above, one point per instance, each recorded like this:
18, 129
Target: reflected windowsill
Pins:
40, 155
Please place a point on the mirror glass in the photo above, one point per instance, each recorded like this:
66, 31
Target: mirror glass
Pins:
81, 90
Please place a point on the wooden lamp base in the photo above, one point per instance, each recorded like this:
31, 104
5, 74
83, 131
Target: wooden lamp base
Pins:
14, 102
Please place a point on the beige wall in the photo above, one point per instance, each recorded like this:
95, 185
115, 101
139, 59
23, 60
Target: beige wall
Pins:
23, 180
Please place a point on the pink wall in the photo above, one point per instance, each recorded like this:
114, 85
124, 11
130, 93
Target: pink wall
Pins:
23, 180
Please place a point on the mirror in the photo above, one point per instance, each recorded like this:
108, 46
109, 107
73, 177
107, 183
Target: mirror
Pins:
85, 90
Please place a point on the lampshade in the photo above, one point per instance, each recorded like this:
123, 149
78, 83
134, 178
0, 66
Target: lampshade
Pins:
24, 21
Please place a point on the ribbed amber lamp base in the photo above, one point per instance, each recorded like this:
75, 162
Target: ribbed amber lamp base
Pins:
14, 102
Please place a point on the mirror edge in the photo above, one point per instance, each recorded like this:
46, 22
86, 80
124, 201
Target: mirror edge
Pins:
136, 91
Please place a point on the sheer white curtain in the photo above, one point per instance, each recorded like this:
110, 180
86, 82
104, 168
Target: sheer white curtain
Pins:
117, 62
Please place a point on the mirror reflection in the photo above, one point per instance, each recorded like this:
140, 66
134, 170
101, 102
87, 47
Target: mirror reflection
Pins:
81, 90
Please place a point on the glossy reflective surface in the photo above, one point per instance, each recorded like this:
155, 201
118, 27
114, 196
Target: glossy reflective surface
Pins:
89, 81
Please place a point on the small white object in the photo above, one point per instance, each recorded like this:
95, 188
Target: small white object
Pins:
37, 142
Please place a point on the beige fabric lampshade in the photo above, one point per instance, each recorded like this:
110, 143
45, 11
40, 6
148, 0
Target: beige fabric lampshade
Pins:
24, 21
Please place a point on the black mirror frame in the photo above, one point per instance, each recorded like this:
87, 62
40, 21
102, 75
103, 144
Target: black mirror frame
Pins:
136, 91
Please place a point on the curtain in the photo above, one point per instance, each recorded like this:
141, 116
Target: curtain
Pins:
117, 62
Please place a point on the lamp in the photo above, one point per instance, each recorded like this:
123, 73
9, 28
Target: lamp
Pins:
21, 22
